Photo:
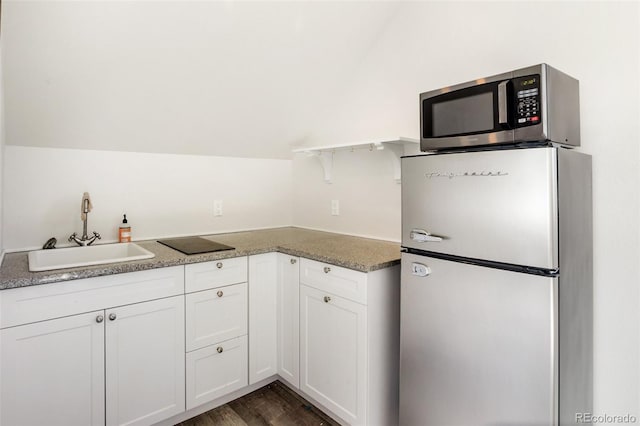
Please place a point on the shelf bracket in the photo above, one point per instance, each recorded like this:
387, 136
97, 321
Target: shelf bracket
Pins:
397, 151
326, 161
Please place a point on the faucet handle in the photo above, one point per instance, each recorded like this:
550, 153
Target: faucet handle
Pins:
73, 237
97, 235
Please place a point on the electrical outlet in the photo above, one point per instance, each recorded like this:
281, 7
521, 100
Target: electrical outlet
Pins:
335, 208
217, 207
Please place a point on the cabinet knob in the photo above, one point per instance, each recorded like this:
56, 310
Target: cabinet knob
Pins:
293, 261
219, 349
327, 269
99, 318
112, 317
219, 265
220, 293
327, 299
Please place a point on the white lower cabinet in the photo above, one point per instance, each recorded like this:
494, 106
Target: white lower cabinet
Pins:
263, 292
349, 341
52, 372
333, 338
288, 319
119, 365
216, 315
216, 330
140, 348
216, 370
145, 361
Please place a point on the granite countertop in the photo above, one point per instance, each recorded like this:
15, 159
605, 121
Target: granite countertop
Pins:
360, 254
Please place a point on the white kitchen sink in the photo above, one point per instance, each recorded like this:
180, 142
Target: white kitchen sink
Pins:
72, 257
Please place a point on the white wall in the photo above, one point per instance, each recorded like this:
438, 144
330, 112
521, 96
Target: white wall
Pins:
364, 185
435, 44
227, 78
162, 194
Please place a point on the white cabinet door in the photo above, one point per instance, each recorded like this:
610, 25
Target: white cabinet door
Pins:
216, 370
263, 292
52, 372
289, 319
145, 360
333, 344
216, 315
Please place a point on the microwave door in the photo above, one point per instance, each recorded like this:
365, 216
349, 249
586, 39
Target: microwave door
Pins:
475, 115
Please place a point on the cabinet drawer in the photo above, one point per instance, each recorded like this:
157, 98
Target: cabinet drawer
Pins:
41, 302
340, 281
216, 370
216, 315
207, 275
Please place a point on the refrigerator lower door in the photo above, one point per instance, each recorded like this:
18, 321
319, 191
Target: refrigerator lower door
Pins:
478, 345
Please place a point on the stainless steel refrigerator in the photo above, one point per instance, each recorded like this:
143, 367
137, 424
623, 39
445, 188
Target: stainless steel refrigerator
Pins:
496, 293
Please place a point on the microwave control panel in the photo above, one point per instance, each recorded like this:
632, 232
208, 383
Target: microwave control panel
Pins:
527, 91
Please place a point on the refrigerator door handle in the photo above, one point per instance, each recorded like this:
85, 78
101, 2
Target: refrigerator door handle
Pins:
422, 236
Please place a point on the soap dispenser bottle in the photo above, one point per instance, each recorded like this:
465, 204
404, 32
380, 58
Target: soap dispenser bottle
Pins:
124, 233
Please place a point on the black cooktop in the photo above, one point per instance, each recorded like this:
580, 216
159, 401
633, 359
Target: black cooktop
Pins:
194, 245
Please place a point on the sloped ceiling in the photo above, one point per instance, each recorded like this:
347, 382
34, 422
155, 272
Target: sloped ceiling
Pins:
229, 78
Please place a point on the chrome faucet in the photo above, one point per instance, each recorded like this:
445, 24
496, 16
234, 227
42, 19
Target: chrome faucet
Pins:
85, 209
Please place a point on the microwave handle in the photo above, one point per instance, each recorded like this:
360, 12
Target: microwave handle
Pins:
503, 115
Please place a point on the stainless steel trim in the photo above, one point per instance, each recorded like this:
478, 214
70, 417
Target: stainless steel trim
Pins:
502, 102
494, 138
576, 285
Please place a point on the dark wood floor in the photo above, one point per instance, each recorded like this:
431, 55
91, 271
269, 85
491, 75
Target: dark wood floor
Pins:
274, 404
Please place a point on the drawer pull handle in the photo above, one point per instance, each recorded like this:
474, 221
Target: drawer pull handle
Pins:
327, 269
219, 293
327, 299
293, 261
219, 349
112, 317
219, 265
99, 318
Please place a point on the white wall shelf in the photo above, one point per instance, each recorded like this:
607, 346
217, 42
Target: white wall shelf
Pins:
324, 154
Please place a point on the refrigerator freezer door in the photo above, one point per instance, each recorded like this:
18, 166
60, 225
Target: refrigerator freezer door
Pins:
493, 205
478, 345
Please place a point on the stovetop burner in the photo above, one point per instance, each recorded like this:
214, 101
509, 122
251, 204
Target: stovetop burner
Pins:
194, 245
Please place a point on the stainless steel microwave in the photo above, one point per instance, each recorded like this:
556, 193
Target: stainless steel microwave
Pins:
534, 104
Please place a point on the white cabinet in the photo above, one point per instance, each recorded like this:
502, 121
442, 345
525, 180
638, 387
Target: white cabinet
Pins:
288, 319
53, 372
274, 317
263, 292
216, 315
333, 337
145, 362
216, 329
349, 341
216, 370
96, 350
